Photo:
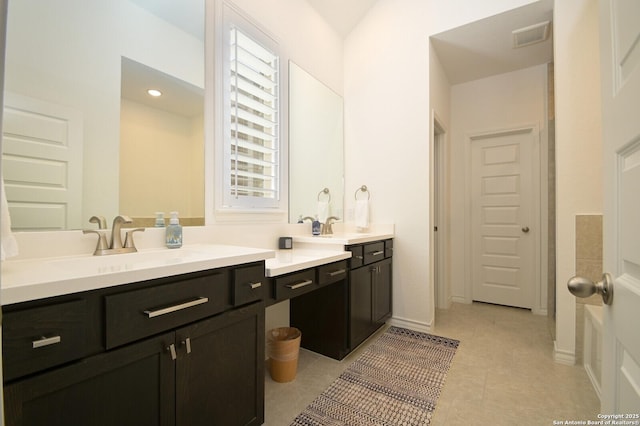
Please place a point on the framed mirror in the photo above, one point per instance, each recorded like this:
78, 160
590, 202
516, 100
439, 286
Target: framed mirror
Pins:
81, 135
316, 146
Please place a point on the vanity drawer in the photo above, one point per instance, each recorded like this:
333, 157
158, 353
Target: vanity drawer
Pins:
136, 314
332, 272
249, 284
373, 252
357, 256
38, 338
294, 284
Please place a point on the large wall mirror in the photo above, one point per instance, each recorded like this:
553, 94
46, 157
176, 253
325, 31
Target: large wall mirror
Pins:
81, 135
316, 146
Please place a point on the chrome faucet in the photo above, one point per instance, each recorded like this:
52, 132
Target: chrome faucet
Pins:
115, 245
326, 227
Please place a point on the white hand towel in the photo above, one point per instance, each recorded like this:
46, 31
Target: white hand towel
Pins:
323, 211
362, 214
9, 244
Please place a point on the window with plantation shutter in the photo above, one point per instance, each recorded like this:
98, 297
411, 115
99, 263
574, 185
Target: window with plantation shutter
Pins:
252, 136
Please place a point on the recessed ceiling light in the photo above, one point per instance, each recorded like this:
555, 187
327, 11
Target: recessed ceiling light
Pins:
155, 93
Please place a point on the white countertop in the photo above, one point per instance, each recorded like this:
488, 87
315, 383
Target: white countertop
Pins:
32, 279
293, 260
344, 239
42, 277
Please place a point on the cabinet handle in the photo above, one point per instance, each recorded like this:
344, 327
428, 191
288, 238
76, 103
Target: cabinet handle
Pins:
187, 342
175, 308
45, 341
376, 253
338, 272
255, 285
359, 257
299, 285
172, 350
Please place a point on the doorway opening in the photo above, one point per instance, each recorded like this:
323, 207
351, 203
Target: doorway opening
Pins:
439, 222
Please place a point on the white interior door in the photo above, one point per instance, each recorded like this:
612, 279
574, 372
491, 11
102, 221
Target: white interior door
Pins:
42, 164
503, 229
620, 75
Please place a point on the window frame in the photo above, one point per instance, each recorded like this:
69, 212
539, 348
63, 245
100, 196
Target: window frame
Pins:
225, 206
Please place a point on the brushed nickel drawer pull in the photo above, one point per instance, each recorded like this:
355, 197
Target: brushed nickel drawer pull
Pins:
376, 253
338, 272
359, 257
255, 285
299, 285
175, 308
46, 341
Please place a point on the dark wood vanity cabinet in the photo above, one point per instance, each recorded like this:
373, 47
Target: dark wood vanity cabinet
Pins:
134, 385
322, 315
353, 301
370, 289
203, 365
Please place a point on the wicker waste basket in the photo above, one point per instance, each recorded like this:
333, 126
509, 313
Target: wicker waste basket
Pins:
284, 347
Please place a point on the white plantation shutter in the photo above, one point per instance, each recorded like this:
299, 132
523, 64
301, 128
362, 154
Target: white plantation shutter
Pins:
252, 154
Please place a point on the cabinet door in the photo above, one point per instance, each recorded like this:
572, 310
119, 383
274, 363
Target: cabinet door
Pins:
360, 303
382, 292
132, 386
220, 369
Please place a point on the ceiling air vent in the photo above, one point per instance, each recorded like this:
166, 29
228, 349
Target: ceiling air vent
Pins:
530, 35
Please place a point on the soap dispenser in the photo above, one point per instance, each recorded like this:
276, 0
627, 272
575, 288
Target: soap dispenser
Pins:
174, 232
159, 220
315, 226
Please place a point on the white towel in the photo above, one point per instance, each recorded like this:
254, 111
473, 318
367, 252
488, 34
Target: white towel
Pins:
323, 211
9, 244
362, 214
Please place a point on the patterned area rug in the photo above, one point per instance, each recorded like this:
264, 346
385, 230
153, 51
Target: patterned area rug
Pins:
396, 381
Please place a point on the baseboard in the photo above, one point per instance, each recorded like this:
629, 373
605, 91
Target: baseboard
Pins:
563, 357
594, 382
459, 299
539, 311
410, 324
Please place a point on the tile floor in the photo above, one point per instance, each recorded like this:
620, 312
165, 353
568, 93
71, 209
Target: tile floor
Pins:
502, 374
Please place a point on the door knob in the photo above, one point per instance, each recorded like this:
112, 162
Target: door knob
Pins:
525, 229
584, 287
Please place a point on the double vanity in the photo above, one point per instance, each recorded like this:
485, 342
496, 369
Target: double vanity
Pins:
177, 337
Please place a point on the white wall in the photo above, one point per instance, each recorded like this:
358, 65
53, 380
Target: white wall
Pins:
499, 102
387, 129
578, 147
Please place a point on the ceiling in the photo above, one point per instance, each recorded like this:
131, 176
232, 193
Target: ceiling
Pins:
342, 15
484, 48
470, 52
178, 97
